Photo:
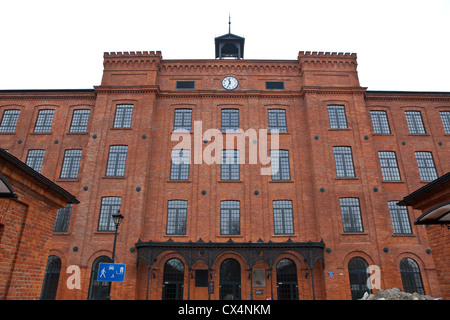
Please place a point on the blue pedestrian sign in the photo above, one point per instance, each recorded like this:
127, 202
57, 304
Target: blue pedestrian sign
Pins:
111, 272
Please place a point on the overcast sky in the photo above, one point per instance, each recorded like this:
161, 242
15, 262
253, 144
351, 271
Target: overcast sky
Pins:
401, 45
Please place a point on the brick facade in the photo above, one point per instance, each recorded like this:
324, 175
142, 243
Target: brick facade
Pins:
26, 230
311, 83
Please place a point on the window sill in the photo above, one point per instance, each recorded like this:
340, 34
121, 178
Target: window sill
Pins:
346, 178
382, 135
40, 133
113, 177
339, 129
392, 181
290, 235
281, 181
230, 181
354, 233
230, 236
56, 233
418, 134
7, 133
67, 180
180, 181
175, 235
77, 133
402, 235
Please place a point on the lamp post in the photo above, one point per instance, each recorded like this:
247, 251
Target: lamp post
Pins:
117, 219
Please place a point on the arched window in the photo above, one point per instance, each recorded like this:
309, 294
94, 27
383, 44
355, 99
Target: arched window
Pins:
99, 290
287, 283
173, 280
411, 277
51, 278
230, 280
358, 274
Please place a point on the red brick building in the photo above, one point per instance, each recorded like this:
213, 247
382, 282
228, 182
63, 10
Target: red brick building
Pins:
433, 200
26, 228
307, 230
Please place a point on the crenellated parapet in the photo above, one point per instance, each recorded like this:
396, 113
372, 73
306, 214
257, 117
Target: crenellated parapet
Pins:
130, 68
131, 60
327, 60
328, 68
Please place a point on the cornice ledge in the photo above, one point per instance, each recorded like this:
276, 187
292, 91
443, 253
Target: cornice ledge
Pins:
332, 90
126, 90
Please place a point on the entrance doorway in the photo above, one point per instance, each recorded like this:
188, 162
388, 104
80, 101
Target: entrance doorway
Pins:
287, 284
173, 280
230, 280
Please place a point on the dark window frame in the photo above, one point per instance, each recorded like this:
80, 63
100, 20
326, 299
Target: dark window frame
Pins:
117, 159
44, 121
337, 116
71, 164
9, 120
283, 217
380, 122
123, 116
80, 120
230, 221
108, 207
351, 215
229, 169
277, 120
343, 160
176, 217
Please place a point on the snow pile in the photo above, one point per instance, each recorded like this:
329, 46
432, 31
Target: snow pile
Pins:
395, 294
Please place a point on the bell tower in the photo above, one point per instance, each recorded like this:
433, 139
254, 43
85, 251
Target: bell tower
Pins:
229, 45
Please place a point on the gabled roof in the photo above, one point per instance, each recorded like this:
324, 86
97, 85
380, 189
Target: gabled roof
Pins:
7, 157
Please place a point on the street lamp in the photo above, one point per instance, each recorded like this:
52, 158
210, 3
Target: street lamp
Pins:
117, 219
6, 191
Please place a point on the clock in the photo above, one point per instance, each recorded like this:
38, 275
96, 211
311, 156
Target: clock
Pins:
230, 83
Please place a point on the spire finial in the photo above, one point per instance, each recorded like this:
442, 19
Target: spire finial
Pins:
229, 23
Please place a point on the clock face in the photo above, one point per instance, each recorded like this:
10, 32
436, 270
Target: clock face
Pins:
230, 83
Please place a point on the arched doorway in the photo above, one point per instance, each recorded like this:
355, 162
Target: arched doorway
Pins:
173, 280
411, 277
99, 290
230, 280
51, 278
358, 274
287, 282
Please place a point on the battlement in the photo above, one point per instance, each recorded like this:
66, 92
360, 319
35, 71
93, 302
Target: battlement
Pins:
132, 53
326, 54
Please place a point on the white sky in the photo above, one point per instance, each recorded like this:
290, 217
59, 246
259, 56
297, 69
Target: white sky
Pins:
401, 45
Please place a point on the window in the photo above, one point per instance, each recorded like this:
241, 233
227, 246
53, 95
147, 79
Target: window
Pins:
35, 158
380, 122
179, 168
399, 218
414, 121
183, 120
351, 215
411, 277
426, 166
110, 206
185, 84
279, 163
176, 217
62, 219
71, 164
277, 120
230, 120
389, 167
336, 115
230, 217
275, 85
80, 119
9, 121
282, 217
124, 114
116, 161
445, 117
44, 121
229, 169
344, 162
358, 275
51, 278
